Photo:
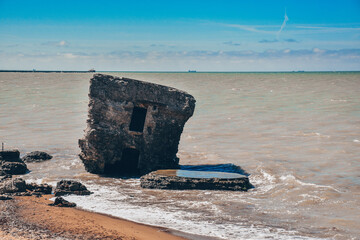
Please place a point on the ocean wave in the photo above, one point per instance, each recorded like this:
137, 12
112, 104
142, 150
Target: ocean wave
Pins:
109, 200
292, 179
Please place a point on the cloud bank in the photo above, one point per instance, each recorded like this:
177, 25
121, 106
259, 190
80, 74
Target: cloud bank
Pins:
315, 59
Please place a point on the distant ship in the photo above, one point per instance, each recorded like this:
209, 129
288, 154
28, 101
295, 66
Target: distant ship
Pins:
91, 70
192, 71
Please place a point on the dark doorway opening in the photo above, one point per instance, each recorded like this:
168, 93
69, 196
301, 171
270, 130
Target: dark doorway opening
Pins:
138, 119
127, 166
130, 160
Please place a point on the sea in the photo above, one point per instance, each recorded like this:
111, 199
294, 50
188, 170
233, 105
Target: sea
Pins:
297, 135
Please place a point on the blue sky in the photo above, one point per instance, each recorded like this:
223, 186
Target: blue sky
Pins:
180, 35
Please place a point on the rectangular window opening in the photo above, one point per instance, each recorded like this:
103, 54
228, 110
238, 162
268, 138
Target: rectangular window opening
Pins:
138, 119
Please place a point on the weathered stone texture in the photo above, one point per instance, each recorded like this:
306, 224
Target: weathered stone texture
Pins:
133, 127
67, 187
13, 186
61, 202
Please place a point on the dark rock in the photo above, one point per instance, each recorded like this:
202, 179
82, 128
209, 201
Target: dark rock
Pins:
36, 156
39, 188
184, 179
4, 197
18, 187
12, 186
10, 156
61, 202
134, 127
36, 194
13, 168
66, 187
10, 163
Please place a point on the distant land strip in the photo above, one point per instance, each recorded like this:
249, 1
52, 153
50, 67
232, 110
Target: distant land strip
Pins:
112, 71
45, 71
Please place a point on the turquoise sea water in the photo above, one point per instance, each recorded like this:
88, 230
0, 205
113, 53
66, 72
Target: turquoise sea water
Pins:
297, 134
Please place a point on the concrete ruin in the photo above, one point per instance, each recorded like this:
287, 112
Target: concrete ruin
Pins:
134, 127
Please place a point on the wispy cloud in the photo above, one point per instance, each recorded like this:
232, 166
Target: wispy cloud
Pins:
61, 43
329, 28
308, 29
231, 43
157, 45
289, 40
261, 28
252, 28
283, 24
162, 45
268, 41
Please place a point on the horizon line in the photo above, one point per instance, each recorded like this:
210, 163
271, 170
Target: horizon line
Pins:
190, 71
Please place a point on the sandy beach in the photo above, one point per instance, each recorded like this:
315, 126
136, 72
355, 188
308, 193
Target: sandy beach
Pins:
32, 218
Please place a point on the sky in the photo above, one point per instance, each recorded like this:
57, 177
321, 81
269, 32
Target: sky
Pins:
288, 35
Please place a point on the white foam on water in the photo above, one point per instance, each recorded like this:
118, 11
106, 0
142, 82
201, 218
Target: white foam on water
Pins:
291, 178
338, 100
312, 134
40, 181
310, 197
35, 180
109, 200
263, 182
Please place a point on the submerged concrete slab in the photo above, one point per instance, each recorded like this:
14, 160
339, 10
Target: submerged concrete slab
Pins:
202, 180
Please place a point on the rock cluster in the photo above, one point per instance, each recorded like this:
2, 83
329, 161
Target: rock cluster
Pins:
183, 179
18, 187
36, 156
39, 188
10, 163
66, 187
134, 127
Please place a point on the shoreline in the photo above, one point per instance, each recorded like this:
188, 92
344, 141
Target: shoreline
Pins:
32, 218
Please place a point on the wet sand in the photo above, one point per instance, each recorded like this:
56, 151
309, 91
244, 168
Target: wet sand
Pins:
32, 218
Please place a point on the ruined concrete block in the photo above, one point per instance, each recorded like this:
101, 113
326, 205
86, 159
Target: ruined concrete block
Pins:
134, 127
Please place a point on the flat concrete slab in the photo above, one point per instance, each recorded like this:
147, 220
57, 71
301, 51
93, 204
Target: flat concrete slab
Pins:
198, 174
177, 179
